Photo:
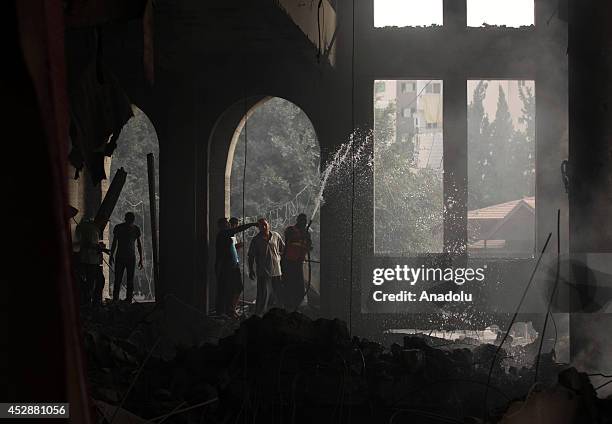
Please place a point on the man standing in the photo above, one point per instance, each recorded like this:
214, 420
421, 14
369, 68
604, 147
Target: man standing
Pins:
265, 252
227, 267
124, 236
298, 244
87, 238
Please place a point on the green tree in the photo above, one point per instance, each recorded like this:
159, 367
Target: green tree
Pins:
282, 158
501, 173
525, 140
407, 200
479, 146
501, 160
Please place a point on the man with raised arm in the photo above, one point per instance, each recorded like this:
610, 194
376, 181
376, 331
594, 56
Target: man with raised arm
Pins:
227, 267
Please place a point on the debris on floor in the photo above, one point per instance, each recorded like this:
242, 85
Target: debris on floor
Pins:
572, 400
288, 367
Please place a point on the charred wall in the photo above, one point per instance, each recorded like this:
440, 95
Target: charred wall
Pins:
590, 131
208, 60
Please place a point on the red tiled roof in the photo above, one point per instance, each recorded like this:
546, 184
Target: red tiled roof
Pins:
500, 210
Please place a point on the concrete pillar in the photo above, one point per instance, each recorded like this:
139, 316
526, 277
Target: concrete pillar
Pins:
590, 151
177, 129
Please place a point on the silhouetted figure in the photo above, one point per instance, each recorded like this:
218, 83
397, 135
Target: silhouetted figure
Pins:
297, 245
234, 222
265, 253
227, 266
87, 238
124, 237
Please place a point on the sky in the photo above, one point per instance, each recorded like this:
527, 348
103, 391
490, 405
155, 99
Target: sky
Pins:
512, 13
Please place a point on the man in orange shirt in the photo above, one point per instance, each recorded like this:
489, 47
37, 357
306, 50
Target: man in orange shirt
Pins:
298, 243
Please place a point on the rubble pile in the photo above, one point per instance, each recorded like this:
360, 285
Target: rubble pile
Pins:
286, 367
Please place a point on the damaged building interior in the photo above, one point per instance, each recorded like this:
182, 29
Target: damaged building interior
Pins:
436, 176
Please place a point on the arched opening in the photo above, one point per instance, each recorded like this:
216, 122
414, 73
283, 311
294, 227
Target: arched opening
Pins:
278, 180
138, 138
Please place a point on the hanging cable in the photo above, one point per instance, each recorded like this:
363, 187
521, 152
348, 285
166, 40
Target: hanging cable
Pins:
352, 144
552, 298
516, 312
603, 385
244, 170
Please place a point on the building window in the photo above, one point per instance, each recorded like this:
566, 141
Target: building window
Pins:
433, 87
509, 13
379, 87
501, 168
408, 87
407, 13
408, 190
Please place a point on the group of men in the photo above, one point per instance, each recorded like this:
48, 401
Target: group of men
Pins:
88, 258
276, 263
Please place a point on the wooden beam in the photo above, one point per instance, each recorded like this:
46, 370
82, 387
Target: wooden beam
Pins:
110, 200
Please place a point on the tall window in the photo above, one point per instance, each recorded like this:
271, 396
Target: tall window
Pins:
501, 168
408, 170
433, 88
408, 87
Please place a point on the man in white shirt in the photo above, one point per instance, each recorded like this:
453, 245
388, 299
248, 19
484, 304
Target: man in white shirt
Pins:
265, 253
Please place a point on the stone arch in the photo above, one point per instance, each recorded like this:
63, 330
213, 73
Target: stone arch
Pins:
138, 138
223, 142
